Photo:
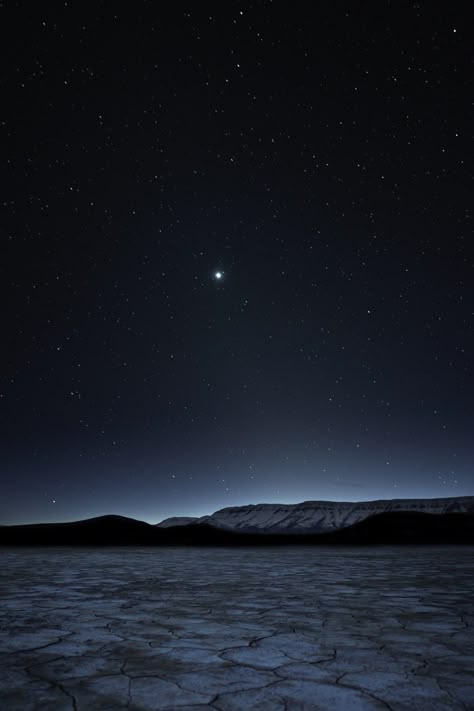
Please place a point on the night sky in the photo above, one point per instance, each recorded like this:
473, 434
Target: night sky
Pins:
237, 255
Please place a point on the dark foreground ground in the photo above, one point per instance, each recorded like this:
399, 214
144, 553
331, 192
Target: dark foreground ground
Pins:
215, 628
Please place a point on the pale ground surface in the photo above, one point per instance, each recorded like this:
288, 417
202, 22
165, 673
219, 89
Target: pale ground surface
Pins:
267, 629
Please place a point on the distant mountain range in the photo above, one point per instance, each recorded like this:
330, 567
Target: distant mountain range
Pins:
416, 521
317, 516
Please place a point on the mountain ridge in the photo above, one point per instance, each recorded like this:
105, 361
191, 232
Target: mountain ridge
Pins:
317, 516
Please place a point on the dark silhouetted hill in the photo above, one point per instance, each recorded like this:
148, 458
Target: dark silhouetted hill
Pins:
396, 528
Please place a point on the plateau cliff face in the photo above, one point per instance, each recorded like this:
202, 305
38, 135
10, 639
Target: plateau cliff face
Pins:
319, 516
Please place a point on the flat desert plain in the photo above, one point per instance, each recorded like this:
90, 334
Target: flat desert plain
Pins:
283, 628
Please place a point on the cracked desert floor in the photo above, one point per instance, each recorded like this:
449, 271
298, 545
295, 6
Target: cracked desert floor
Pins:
273, 628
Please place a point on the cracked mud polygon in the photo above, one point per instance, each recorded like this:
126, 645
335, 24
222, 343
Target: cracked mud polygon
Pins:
285, 628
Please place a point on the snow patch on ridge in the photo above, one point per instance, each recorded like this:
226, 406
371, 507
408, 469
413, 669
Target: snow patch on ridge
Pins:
176, 521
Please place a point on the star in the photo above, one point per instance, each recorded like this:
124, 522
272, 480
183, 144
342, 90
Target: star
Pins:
218, 275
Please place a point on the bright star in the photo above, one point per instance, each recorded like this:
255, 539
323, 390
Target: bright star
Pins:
218, 275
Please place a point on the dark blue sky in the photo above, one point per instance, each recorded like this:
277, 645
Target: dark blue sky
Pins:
320, 158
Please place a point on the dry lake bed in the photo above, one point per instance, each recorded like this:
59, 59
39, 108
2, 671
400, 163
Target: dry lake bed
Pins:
273, 628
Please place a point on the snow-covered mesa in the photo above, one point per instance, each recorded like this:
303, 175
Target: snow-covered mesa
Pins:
317, 516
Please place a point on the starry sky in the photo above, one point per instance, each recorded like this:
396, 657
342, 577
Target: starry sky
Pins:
237, 257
